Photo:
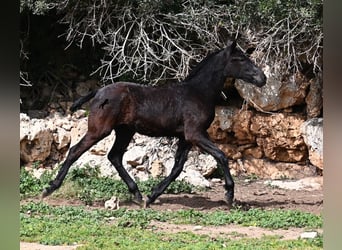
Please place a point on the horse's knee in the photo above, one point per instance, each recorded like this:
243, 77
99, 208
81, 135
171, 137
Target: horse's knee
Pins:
229, 184
110, 156
222, 159
114, 158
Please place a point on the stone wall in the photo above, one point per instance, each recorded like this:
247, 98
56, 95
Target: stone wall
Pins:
268, 146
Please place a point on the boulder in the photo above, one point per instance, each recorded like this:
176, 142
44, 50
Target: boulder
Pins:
135, 156
312, 132
277, 94
222, 123
195, 178
242, 127
61, 138
279, 136
314, 98
203, 163
35, 139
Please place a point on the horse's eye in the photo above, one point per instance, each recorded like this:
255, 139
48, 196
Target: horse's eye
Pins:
250, 50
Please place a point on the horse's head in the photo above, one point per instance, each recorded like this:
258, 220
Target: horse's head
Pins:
240, 66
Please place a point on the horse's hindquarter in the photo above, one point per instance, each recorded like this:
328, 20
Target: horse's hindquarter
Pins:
112, 104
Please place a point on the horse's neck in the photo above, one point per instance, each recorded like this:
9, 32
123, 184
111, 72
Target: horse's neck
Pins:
208, 84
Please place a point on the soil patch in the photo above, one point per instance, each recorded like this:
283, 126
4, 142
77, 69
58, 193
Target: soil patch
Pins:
231, 231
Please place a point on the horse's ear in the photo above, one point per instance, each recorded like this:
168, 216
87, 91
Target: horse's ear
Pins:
231, 45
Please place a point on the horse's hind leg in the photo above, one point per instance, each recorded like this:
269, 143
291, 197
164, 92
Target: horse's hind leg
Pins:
89, 139
123, 137
180, 158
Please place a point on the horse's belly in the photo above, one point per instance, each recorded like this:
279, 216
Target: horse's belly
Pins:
155, 128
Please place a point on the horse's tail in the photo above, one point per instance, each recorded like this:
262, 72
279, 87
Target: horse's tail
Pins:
78, 103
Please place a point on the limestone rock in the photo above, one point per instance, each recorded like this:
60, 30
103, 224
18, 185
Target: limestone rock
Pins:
134, 156
279, 136
231, 151
61, 138
268, 145
203, 163
78, 131
112, 203
264, 168
241, 127
157, 169
255, 152
314, 99
308, 235
308, 183
312, 132
195, 178
103, 146
35, 140
222, 123
276, 94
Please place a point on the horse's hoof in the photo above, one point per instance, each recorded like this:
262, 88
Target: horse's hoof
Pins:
229, 203
139, 202
45, 193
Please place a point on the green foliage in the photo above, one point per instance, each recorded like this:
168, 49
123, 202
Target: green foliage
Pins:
93, 187
94, 228
273, 219
86, 184
90, 187
30, 185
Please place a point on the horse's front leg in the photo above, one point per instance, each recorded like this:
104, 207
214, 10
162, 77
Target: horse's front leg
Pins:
180, 158
202, 141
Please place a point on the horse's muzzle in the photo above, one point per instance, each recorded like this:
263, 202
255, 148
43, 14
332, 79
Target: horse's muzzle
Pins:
260, 80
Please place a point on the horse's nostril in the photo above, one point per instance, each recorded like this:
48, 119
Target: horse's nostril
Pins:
260, 79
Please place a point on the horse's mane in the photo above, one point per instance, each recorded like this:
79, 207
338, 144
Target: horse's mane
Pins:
200, 65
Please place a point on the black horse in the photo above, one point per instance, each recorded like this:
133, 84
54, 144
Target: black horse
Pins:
184, 110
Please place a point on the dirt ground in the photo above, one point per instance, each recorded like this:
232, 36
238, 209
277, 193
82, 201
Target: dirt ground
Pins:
305, 196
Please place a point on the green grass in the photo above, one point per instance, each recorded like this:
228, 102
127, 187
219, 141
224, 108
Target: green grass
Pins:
87, 185
30, 185
273, 219
129, 229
